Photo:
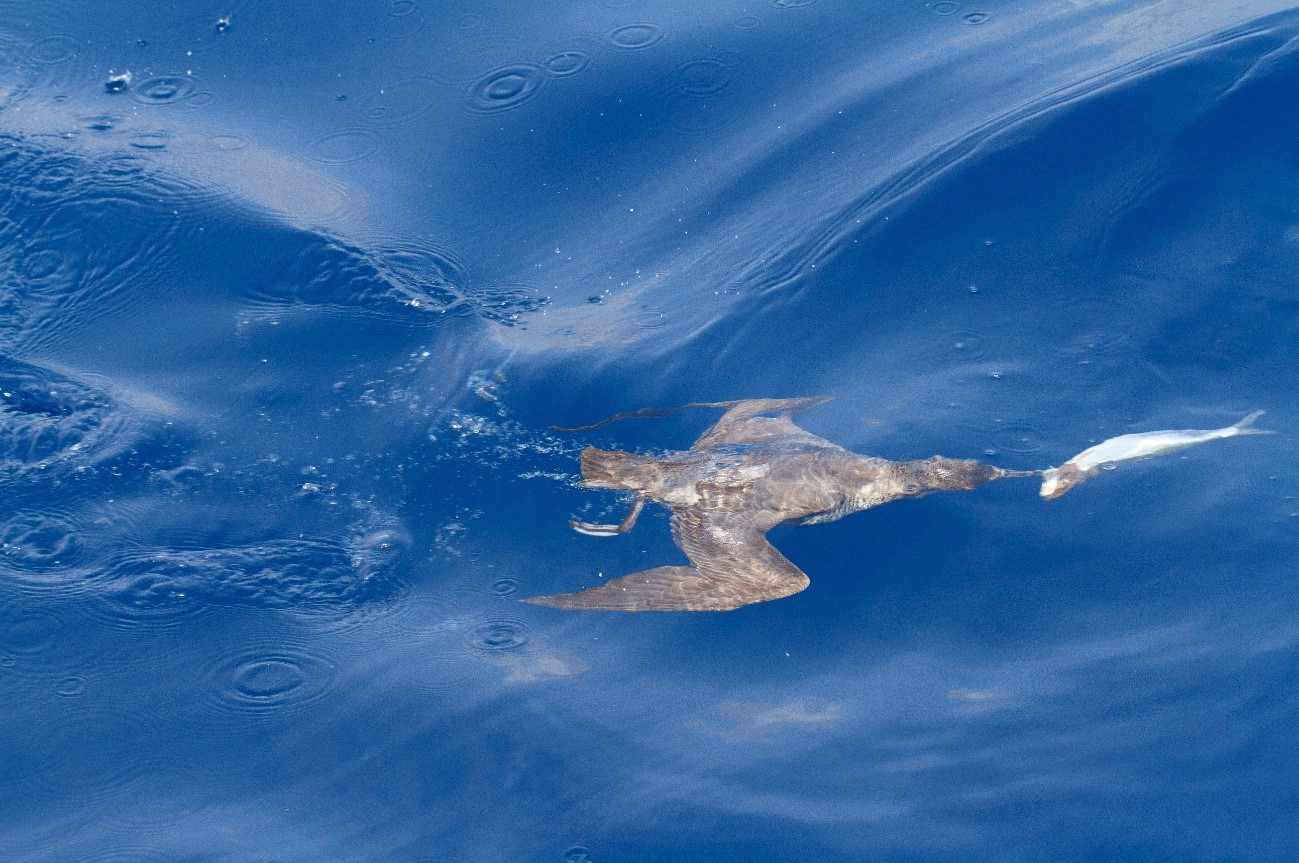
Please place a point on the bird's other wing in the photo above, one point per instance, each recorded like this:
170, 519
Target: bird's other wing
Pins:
731, 565
735, 410
743, 423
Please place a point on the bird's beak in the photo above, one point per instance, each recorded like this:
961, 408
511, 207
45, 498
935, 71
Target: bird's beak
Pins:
998, 473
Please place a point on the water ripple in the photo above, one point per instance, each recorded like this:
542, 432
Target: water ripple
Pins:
55, 429
89, 754
344, 147
413, 280
164, 90
55, 49
270, 681
565, 63
499, 634
636, 37
1093, 328
155, 139
704, 77
403, 100
36, 541
30, 633
308, 577
506, 88
505, 587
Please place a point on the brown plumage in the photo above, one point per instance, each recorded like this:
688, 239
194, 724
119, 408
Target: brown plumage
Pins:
745, 475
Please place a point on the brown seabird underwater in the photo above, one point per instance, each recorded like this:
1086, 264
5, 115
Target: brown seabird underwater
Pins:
745, 475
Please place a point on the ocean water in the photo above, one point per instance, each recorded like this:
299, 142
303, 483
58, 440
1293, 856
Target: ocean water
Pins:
291, 296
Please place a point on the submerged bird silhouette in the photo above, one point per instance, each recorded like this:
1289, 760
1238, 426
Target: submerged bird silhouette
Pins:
745, 475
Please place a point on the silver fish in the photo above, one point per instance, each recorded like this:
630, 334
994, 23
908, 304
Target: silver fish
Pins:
1058, 480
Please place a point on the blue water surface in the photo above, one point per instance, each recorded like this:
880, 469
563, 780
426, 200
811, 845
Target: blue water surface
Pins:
291, 295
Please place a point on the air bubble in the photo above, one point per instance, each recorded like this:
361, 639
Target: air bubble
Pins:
965, 345
378, 552
101, 122
976, 18
505, 586
118, 83
945, 7
164, 89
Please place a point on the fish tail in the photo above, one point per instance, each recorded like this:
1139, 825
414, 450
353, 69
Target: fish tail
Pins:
1246, 425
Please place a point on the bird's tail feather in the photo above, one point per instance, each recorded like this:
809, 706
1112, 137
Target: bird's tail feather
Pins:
602, 468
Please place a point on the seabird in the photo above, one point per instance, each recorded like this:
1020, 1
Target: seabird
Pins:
751, 471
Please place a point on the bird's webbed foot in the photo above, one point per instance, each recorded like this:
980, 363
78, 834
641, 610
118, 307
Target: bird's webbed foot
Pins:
610, 529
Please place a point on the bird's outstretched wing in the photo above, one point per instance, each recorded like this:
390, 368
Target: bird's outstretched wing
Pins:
735, 410
743, 423
731, 565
